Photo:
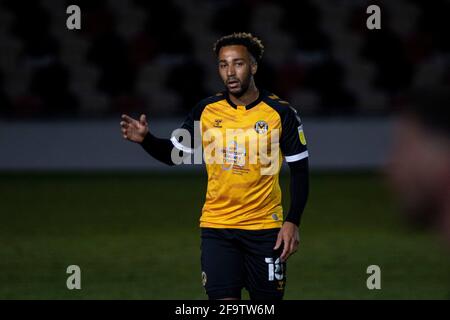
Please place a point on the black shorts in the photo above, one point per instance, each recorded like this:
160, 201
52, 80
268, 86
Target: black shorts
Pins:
233, 259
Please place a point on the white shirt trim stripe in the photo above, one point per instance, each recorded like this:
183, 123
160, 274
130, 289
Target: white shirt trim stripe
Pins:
179, 146
297, 157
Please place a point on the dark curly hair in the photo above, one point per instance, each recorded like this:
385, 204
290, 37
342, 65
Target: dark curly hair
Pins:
252, 43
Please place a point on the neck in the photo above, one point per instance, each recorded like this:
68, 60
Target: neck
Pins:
250, 95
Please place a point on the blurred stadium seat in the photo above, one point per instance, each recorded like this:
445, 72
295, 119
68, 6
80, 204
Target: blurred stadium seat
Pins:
134, 56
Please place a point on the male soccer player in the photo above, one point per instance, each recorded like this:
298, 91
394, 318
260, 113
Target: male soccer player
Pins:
246, 238
419, 166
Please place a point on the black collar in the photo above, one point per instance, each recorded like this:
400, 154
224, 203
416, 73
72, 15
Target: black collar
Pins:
261, 95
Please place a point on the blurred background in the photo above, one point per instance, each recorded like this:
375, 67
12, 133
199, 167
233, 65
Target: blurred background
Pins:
73, 192
139, 56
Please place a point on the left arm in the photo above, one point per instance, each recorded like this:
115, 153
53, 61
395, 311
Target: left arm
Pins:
293, 146
299, 190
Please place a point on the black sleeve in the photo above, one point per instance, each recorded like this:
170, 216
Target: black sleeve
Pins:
160, 149
299, 188
292, 140
192, 125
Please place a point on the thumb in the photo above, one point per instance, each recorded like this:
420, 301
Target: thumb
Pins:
143, 119
279, 240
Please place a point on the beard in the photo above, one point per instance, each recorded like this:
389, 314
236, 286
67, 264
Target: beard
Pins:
239, 92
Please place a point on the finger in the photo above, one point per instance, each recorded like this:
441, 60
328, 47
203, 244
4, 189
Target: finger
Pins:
296, 244
127, 118
124, 124
124, 131
143, 119
278, 243
125, 136
285, 252
293, 247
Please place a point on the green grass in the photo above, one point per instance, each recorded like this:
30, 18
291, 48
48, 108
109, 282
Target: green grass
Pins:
136, 236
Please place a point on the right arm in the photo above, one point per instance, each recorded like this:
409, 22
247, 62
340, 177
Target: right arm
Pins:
138, 132
163, 149
160, 149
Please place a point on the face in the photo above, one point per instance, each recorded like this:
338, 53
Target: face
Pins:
419, 171
236, 68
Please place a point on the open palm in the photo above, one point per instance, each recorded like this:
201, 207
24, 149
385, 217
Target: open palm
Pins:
133, 129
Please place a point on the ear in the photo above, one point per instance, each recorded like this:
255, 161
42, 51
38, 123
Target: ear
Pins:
254, 67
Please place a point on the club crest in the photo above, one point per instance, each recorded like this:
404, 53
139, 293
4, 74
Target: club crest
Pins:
261, 127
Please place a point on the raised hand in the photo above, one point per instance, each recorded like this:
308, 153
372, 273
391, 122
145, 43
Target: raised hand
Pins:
134, 130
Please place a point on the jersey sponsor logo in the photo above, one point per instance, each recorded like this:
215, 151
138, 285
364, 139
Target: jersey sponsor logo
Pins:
235, 156
218, 123
236, 149
301, 135
261, 127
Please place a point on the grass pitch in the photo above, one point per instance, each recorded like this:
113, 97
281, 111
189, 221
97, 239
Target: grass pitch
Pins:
136, 236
